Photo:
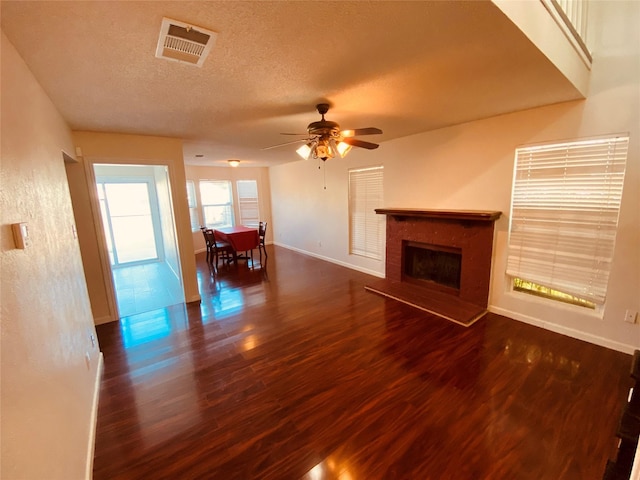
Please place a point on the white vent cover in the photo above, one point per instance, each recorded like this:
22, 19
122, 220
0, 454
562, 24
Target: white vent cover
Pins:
184, 43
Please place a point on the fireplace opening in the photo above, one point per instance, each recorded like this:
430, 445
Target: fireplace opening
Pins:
432, 263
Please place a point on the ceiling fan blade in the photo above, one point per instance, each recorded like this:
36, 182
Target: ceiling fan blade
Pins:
361, 131
354, 142
286, 143
306, 134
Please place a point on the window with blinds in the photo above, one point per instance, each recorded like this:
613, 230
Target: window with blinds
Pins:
564, 215
366, 228
248, 206
217, 205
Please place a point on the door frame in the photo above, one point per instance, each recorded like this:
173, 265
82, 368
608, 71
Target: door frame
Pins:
103, 252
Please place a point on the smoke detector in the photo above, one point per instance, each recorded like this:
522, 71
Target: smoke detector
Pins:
184, 43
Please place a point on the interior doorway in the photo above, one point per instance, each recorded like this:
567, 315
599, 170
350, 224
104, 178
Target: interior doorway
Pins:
139, 228
129, 221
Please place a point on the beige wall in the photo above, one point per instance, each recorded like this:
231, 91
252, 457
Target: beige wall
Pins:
470, 166
112, 148
49, 389
260, 174
310, 206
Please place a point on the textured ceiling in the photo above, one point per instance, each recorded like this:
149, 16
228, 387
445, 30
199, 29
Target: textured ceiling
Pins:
405, 67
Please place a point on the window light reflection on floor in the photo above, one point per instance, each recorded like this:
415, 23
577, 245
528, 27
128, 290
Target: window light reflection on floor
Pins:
139, 329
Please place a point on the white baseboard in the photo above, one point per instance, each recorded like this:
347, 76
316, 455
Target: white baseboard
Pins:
91, 445
569, 332
635, 471
332, 260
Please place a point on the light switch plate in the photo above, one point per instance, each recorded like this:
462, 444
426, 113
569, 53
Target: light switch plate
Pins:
20, 235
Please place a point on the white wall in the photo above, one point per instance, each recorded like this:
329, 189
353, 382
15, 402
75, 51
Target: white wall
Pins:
470, 166
49, 389
310, 207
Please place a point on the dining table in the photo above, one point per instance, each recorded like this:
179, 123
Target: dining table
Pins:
241, 238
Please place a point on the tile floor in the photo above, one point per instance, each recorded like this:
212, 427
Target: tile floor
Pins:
146, 287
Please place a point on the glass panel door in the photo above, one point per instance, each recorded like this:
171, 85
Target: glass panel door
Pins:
128, 222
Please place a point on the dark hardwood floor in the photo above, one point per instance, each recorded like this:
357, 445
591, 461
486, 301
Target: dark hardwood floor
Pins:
296, 372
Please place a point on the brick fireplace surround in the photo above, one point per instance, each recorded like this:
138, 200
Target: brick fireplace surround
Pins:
467, 231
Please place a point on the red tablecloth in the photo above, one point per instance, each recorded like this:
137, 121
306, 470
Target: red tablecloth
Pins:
241, 238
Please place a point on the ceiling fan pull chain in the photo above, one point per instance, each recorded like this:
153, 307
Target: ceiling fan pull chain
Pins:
324, 175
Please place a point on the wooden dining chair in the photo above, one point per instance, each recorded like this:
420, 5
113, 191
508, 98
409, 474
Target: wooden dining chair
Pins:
262, 232
207, 242
215, 248
222, 249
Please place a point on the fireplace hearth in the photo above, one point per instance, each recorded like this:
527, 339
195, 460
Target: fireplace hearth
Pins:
439, 261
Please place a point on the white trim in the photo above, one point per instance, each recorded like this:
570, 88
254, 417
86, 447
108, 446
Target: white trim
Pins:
103, 252
331, 260
570, 332
91, 444
571, 31
635, 471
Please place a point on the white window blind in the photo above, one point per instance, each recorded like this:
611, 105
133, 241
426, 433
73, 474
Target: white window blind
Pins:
193, 206
564, 214
248, 202
366, 228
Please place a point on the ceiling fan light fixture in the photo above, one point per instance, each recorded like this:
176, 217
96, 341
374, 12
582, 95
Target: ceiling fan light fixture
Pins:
233, 163
324, 150
336, 149
325, 140
343, 149
305, 150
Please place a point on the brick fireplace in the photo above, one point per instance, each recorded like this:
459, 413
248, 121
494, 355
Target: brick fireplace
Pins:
439, 261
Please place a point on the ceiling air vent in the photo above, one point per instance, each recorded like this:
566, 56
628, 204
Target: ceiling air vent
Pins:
184, 43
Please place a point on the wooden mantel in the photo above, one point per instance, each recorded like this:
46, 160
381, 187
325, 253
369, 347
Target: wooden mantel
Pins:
475, 215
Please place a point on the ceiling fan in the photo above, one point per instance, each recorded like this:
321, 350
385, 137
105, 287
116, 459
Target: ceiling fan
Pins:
325, 140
